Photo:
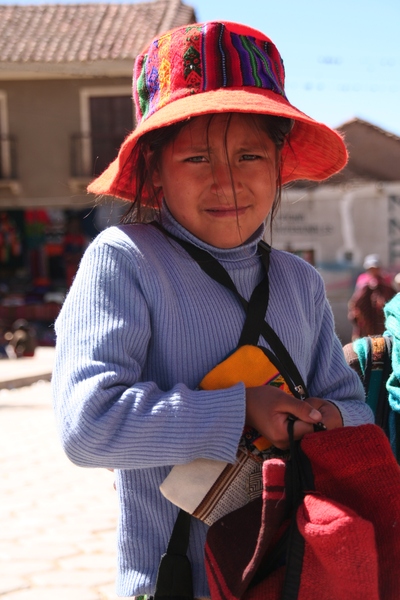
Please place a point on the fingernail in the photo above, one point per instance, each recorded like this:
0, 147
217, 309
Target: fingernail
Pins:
315, 414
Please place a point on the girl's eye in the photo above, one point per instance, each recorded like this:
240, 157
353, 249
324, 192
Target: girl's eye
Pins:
249, 157
196, 159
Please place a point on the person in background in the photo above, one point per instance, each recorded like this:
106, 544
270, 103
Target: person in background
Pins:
372, 271
21, 339
373, 289
396, 282
3, 340
143, 324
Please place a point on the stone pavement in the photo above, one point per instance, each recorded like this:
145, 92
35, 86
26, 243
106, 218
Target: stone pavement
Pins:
24, 371
57, 520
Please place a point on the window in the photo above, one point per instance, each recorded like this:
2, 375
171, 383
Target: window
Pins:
106, 119
306, 254
110, 121
5, 142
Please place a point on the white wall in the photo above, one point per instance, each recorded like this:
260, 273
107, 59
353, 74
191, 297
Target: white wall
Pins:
341, 224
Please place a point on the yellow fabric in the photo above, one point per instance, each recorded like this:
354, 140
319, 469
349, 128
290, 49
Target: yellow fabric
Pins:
251, 366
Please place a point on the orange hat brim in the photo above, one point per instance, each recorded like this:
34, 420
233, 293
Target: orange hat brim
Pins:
313, 150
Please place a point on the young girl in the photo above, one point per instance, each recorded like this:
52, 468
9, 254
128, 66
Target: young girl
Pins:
143, 323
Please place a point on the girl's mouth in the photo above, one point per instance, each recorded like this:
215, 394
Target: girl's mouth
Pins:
222, 211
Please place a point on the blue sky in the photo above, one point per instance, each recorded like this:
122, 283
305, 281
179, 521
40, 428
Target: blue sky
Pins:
342, 57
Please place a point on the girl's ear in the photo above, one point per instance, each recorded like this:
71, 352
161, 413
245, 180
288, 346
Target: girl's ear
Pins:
156, 178
153, 169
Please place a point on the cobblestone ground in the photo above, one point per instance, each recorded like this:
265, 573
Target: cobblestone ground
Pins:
57, 520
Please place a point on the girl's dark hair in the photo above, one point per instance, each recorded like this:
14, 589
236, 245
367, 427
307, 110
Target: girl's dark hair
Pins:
146, 156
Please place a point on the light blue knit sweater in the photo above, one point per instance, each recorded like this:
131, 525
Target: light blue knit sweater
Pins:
141, 326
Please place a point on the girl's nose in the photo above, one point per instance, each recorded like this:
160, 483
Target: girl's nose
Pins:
225, 180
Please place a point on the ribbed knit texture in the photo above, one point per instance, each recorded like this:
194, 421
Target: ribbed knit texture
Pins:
141, 326
392, 317
350, 525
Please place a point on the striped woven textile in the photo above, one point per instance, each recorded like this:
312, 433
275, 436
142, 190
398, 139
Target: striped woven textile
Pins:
204, 58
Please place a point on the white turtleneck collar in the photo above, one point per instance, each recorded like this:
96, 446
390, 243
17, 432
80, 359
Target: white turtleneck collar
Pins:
239, 253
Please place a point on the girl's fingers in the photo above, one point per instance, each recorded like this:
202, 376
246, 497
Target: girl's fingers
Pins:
303, 411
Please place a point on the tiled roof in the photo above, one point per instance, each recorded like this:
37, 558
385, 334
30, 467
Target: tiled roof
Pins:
62, 33
360, 122
374, 152
374, 155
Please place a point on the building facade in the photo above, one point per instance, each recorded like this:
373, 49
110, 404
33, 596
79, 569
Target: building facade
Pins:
65, 107
334, 227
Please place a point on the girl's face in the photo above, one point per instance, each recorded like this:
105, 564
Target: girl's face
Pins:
219, 182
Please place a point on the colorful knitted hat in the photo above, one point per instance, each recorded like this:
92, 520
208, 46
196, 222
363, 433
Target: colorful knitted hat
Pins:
219, 67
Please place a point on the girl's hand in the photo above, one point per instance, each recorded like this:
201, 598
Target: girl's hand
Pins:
268, 409
331, 416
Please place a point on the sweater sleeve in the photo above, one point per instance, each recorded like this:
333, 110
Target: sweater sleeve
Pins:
330, 376
106, 414
392, 321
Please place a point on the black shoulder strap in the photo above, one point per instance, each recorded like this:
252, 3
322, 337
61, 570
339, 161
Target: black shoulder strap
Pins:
210, 265
368, 365
257, 305
299, 470
174, 577
255, 324
383, 407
